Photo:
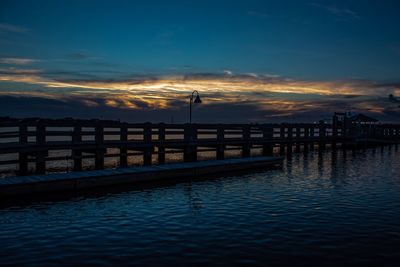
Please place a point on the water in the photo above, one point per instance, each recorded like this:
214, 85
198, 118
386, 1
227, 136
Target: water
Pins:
320, 210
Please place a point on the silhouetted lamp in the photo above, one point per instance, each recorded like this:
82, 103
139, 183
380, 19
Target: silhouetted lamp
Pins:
197, 100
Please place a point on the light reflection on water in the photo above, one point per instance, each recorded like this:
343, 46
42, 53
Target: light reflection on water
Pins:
321, 209
66, 165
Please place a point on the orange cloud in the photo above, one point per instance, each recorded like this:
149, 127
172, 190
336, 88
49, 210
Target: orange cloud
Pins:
163, 92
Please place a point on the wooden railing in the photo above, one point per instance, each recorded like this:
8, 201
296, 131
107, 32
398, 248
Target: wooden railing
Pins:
32, 141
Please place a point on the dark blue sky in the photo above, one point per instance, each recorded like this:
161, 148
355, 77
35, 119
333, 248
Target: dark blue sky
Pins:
144, 55
302, 39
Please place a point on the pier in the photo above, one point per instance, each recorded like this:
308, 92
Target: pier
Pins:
30, 144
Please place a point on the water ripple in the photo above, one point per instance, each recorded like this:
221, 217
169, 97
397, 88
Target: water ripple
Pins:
327, 209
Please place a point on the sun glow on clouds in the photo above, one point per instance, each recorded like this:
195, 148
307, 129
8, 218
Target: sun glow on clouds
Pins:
179, 85
285, 96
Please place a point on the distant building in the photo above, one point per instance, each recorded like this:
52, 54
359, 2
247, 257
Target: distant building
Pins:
351, 123
394, 99
362, 119
353, 118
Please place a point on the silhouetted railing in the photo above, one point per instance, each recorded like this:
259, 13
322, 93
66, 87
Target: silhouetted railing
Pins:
32, 141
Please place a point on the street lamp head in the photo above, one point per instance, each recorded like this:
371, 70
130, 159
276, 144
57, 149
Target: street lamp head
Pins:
197, 100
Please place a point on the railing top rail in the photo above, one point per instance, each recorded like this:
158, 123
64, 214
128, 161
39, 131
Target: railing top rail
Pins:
69, 122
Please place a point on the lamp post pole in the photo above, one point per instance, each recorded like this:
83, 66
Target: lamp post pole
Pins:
190, 109
197, 100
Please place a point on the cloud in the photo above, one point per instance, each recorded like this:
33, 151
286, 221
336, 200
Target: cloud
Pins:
166, 37
15, 71
269, 75
17, 61
12, 28
257, 14
79, 56
341, 13
226, 82
251, 74
134, 110
228, 72
264, 97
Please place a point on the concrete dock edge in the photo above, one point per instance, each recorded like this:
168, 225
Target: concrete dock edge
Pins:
35, 184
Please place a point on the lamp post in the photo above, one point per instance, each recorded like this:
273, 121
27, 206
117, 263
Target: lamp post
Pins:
197, 100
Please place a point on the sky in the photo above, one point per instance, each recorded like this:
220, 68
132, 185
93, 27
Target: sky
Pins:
251, 61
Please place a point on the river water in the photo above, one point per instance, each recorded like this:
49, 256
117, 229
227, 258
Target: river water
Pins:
324, 209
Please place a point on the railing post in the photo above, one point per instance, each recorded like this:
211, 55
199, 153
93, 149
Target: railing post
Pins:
123, 151
307, 139
298, 137
334, 131
23, 157
99, 153
246, 140
220, 141
282, 140
161, 143
322, 135
268, 147
311, 138
148, 150
397, 135
377, 130
372, 131
76, 152
289, 142
380, 132
391, 133
41, 153
190, 136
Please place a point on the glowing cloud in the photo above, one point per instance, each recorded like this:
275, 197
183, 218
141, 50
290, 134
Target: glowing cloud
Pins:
273, 95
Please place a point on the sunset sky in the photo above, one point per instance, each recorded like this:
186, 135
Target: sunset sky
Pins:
251, 61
